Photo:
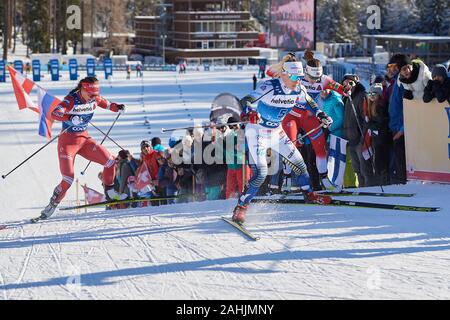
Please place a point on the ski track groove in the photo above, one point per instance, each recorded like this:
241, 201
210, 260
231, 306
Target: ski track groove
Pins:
108, 254
2, 281
181, 244
288, 248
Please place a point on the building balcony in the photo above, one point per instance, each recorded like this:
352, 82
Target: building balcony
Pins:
211, 15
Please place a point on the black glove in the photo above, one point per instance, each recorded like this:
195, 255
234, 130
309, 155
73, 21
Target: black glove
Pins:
408, 94
326, 120
122, 108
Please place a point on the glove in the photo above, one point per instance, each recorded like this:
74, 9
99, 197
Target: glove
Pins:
326, 120
408, 94
300, 140
251, 116
122, 108
76, 120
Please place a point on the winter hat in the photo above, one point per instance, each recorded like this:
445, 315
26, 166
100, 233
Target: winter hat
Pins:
400, 60
123, 154
156, 141
439, 70
350, 76
173, 141
145, 143
376, 79
376, 88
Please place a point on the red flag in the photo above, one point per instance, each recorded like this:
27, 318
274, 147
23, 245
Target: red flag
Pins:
143, 177
367, 150
22, 89
93, 196
45, 105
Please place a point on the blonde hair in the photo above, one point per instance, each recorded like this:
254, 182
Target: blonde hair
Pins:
276, 69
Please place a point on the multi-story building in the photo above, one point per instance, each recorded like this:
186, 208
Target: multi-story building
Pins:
199, 31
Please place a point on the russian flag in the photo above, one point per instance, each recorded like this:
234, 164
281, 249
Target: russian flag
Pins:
337, 158
46, 102
22, 89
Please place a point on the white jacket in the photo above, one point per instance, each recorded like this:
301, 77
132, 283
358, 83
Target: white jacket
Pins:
419, 85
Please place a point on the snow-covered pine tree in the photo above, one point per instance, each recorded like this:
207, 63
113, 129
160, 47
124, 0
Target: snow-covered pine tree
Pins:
434, 16
347, 27
327, 20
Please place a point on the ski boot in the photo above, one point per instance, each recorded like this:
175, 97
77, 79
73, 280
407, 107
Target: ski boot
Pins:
314, 197
48, 211
239, 213
51, 207
113, 195
326, 183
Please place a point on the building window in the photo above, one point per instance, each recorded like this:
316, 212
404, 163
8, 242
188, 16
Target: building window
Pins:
204, 45
198, 45
211, 44
221, 44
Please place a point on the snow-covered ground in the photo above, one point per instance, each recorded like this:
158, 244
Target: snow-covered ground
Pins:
185, 251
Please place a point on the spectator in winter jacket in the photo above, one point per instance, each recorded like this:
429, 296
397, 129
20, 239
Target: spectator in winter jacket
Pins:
127, 167
354, 129
167, 176
414, 76
378, 116
333, 106
439, 86
215, 172
156, 144
238, 173
149, 156
396, 121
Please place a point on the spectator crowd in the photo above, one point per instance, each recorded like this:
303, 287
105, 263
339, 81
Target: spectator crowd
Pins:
362, 116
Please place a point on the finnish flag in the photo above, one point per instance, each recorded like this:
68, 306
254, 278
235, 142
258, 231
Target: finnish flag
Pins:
337, 159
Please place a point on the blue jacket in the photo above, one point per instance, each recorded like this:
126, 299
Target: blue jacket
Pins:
334, 107
396, 108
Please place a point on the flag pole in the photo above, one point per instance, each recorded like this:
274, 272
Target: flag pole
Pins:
85, 200
78, 194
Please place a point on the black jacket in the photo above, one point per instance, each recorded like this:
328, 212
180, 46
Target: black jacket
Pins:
435, 89
350, 127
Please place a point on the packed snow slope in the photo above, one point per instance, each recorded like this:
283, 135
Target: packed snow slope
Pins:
185, 251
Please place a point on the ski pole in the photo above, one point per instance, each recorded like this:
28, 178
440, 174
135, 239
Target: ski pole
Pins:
308, 133
364, 140
104, 138
107, 136
56, 137
205, 126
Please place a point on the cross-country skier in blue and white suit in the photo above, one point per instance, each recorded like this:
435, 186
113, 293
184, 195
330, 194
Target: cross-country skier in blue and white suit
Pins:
265, 109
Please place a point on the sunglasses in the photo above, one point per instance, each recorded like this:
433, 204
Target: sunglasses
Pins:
294, 77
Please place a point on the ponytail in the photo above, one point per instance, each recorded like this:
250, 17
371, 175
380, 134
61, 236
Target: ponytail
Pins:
310, 60
277, 69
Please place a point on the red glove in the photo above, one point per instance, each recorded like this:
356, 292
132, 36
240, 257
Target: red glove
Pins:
251, 116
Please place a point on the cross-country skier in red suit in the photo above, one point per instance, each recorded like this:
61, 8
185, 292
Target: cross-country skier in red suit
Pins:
75, 112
